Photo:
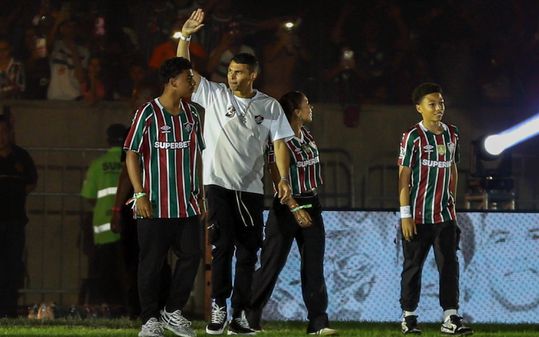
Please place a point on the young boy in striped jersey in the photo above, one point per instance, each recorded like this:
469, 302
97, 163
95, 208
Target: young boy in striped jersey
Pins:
427, 161
163, 154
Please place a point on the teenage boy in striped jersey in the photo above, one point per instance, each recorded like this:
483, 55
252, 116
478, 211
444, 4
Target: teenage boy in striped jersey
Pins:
427, 161
238, 123
163, 158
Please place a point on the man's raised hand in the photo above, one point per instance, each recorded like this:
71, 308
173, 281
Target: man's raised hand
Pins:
194, 23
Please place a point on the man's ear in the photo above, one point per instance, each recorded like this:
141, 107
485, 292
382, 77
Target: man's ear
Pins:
418, 108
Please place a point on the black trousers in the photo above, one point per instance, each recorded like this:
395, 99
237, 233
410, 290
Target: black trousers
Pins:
235, 225
444, 238
12, 269
281, 230
156, 237
107, 275
130, 250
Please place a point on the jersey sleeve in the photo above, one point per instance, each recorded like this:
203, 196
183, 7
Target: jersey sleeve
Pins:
135, 136
280, 128
408, 152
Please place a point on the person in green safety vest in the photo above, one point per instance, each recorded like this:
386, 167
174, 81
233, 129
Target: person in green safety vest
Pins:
106, 271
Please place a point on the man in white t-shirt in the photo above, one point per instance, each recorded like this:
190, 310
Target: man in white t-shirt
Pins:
68, 62
238, 123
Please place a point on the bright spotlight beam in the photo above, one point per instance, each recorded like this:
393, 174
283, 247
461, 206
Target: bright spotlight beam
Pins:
496, 144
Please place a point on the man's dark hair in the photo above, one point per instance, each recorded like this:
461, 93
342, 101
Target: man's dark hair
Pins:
116, 134
172, 68
291, 101
424, 89
250, 60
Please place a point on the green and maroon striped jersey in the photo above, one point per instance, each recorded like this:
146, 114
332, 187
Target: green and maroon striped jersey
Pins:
169, 146
430, 156
305, 173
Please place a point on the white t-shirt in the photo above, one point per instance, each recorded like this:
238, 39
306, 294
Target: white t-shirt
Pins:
64, 84
236, 132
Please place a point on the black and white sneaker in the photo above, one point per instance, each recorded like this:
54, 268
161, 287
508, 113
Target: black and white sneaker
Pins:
152, 328
175, 322
409, 325
453, 326
240, 326
218, 320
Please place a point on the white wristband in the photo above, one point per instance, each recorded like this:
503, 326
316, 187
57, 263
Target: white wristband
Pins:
406, 212
184, 38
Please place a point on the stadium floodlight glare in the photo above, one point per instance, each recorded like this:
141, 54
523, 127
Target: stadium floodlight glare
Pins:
496, 144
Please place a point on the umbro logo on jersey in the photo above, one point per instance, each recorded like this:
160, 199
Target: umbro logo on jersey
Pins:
165, 129
297, 149
230, 111
259, 119
428, 148
188, 126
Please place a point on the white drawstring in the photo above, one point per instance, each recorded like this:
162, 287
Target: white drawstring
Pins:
241, 204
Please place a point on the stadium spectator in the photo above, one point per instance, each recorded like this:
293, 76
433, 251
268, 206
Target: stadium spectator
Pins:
68, 61
36, 65
18, 177
280, 58
12, 77
93, 88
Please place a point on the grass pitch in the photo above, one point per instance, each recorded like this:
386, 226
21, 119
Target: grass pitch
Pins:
121, 327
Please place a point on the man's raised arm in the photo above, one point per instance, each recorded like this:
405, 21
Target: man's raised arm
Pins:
192, 25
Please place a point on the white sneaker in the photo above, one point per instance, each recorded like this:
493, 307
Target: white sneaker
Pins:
324, 332
175, 322
152, 328
218, 320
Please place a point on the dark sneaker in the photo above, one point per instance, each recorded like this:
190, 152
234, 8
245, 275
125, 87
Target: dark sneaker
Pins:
175, 322
409, 325
453, 326
218, 320
240, 326
253, 317
152, 328
324, 332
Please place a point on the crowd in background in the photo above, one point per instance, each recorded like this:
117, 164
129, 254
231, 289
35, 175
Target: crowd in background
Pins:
357, 52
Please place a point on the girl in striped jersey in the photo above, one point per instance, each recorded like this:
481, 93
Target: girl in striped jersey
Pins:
300, 219
427, 189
